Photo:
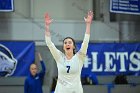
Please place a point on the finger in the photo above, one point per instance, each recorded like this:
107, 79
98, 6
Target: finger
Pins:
90, 13
85, 19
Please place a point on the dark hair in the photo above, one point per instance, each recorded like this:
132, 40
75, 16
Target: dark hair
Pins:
74, 50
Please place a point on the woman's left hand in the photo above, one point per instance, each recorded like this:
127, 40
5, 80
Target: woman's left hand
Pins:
89, 17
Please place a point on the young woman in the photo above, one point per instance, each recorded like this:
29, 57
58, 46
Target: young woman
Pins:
69, 63
33, 83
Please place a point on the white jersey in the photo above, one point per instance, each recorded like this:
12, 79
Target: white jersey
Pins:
69, 71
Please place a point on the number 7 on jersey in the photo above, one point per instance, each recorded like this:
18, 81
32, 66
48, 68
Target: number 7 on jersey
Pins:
68, 69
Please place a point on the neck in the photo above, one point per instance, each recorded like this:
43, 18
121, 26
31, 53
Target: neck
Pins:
69, 55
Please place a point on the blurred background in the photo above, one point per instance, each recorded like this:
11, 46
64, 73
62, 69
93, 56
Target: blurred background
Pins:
115, 22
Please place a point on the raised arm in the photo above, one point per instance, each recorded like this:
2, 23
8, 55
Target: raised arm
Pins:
42, 72
48, 21
88, 21
42, 63
54, 51
84, 46
39, 56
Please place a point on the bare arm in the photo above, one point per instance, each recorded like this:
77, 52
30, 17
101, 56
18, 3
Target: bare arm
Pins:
88, 21
48, 21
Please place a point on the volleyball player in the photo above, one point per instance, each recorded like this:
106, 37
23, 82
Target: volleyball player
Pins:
69, 63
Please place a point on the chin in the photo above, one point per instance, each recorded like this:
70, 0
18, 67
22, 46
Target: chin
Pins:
68, 51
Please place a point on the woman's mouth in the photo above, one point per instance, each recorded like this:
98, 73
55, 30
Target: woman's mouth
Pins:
67, 48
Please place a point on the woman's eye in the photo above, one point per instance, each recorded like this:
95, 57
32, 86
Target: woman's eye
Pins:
70, 42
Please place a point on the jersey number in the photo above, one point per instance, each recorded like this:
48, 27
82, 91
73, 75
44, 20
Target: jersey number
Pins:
68, 69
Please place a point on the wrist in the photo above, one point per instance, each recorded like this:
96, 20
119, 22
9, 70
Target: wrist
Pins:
47, 26
88, 24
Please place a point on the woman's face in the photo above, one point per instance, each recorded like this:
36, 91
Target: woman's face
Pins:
33, 69
68, 45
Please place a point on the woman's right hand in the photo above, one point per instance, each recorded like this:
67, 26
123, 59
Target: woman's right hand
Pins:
48, 19
89, 17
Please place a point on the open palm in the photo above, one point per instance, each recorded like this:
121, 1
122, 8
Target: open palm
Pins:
48, 19
89, 17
